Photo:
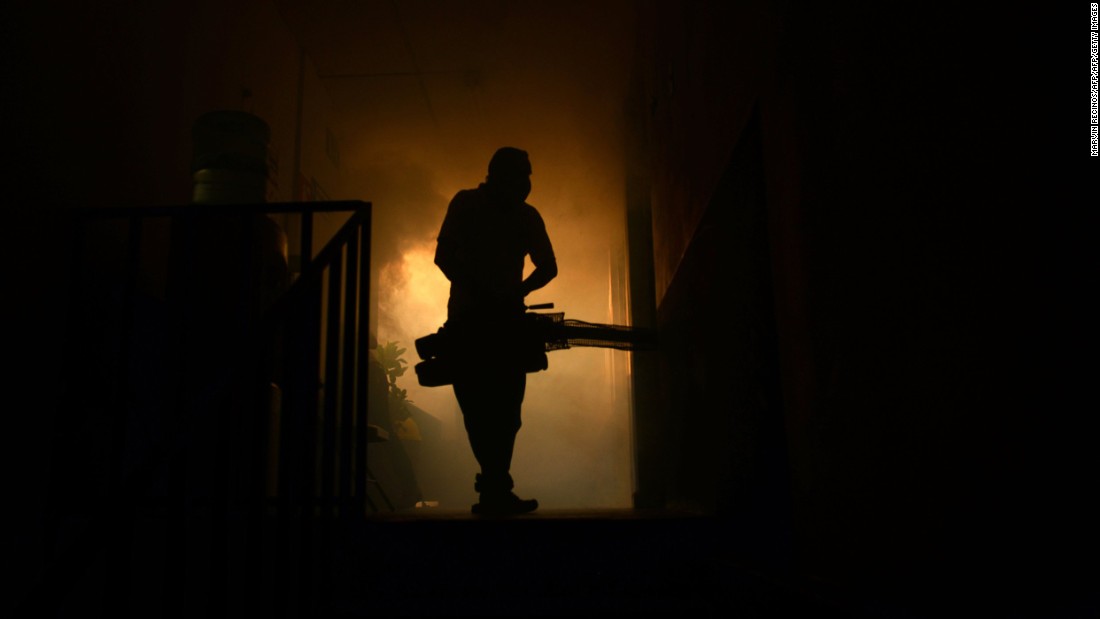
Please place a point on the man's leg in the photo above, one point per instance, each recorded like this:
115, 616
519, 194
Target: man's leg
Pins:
491, 406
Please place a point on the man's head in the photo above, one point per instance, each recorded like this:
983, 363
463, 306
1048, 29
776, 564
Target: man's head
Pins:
510, 174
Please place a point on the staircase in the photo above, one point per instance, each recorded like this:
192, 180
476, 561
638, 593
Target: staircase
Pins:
215, 416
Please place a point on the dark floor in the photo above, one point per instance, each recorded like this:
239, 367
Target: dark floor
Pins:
549, 563
597, 562
555, 563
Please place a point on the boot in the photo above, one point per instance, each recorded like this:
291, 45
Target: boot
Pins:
507, 504
497, 498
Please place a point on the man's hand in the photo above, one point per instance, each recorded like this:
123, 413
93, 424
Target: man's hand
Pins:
541, 276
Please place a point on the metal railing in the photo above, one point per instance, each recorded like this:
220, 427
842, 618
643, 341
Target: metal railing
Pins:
214, 427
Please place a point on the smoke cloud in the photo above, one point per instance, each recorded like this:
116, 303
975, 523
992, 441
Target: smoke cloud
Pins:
550, 81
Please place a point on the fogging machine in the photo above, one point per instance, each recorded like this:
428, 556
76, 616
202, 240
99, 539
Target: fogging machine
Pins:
537, 334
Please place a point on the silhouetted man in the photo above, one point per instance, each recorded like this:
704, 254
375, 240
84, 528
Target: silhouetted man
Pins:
485, 238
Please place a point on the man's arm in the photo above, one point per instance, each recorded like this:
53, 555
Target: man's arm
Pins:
448, 250
541, 276
446, 258
542, 256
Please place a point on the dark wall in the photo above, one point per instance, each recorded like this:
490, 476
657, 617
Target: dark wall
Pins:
925, 434
97, 109
719, 385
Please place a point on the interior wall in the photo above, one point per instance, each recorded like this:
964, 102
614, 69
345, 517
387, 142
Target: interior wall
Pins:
99, 105
719, 368
698, 181
912, 348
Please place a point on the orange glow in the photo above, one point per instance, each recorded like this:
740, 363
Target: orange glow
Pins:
416, 303
574, 448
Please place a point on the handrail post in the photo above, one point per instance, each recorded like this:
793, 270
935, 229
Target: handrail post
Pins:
117, 586
363, 399
306, 240
347, 402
